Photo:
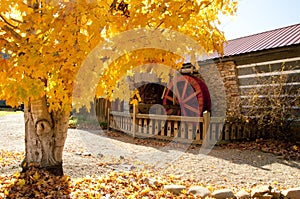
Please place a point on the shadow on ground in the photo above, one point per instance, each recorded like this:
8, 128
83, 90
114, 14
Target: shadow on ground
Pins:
256, 154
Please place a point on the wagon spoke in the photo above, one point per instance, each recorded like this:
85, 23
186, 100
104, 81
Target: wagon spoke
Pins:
169, 98
169, 111
191, 96
184, 89
193, 109
177, 92
184, 111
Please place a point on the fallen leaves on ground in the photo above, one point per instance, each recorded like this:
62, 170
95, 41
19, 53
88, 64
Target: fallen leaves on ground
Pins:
8, 158
140, 183
285, 150
36, 183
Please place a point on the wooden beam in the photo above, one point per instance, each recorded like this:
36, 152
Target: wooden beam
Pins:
270, 74
269, 62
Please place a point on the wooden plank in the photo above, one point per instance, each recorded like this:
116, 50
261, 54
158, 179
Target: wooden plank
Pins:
134, 122
116, 113
213, 130
268, 62
117, 121
108, 118
140, 121
247, 131
233, 131
150, 127
227, 132
175, 129
171, 118
190, 131
188, 70
239, 132
162, 129
126, 123
221, 129
183, 130
206, 122
156, 126
145, 126
129, 123
113, 121
169, 127
121, 124
198, 132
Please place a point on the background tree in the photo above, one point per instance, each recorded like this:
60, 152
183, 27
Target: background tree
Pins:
46, 42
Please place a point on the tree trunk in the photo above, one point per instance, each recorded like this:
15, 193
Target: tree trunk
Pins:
45, 135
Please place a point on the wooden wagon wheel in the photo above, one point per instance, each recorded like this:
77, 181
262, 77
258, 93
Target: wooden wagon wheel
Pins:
191, 94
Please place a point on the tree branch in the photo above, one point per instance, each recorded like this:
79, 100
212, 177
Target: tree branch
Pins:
14, 33
12, 46
159, 24
208, 4
7, 22
16, 20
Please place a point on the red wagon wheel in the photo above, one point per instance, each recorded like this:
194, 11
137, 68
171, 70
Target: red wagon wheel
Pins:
191, 94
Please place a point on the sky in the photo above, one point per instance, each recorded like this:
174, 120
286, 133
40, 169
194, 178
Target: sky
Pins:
255, 16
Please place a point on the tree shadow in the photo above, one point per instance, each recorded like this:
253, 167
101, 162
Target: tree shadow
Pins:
35, 183
254, 158
238, 155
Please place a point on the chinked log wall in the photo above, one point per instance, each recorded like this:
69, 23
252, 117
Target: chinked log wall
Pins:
248, 75
240, 78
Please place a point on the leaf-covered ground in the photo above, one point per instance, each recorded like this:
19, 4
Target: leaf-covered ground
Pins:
40, 184
147, 185
144, 183
235, 166
10, 157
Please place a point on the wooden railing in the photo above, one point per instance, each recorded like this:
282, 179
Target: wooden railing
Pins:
176, 128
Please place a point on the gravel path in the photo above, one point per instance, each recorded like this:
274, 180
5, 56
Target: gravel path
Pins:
97, 152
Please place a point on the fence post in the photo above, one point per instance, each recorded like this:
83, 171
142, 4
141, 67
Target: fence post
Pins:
134, 120
108, 118
206, 123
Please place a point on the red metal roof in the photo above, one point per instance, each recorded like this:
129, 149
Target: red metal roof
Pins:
280, 37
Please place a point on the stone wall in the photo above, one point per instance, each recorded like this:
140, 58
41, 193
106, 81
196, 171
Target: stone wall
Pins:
230, 78
222, 82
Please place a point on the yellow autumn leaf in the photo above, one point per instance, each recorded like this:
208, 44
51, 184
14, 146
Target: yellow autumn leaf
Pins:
17, 174
295, 147
36, 176
6, 193
21, 182
134, 102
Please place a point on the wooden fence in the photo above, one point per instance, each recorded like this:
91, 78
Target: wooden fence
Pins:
176, 128
102, 109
